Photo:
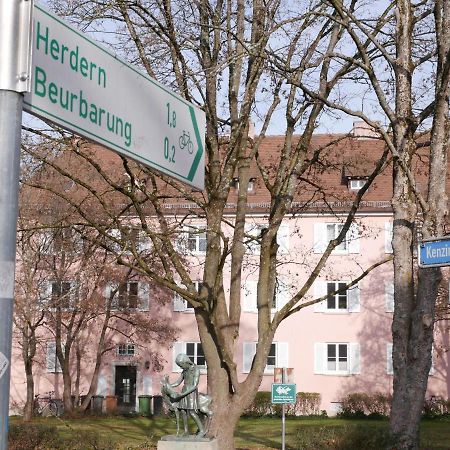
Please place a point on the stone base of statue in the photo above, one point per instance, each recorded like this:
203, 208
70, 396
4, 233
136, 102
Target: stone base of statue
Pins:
173, 442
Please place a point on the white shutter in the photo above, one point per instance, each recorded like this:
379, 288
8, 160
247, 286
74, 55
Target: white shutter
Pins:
432, 361
320, 237
355, 365
250, 296
320, 357
102, 386
320, 289
388, 237
50, 361
179, 304
448, 298
144, 296
144, 242
354, 304
45, 293
115, 235
249, 350
282, 294
178, 347
182, 240
253, 246
282, 354
45, 242
147, 387
389, 365
353, 238
389, 296
283, 238
109, 289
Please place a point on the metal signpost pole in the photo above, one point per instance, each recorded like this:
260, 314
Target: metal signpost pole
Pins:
15, 23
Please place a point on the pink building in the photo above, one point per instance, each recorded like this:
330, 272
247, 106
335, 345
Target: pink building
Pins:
338, 346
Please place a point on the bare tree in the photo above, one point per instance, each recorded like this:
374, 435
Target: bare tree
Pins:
407, 67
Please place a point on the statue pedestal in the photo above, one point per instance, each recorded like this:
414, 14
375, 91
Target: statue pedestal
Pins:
187, 443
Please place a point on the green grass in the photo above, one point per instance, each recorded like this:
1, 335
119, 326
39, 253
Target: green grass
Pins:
253, 433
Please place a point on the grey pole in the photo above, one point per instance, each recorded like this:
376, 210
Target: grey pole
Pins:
15, 57
10, 123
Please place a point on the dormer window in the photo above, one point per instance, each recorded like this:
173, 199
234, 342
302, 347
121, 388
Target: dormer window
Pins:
356, 184
250, 187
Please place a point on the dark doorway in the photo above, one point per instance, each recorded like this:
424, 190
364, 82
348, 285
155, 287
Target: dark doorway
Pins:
126, 388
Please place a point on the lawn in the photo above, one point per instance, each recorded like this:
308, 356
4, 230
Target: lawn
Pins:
140, 433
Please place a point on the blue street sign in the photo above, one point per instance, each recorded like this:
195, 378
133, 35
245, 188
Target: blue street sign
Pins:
434, 252
283, 393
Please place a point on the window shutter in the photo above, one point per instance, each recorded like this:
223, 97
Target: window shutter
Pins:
249, 350
355, 365
320, 237
115, 235
109, 290
388, 237
74, 293
179, 304
51, 357
282, 355
253, 246
45, 242
102, 386
354, 304
250, 296
320, 357
144, 296
283, 238
178, 347
353, 238
182, 240
144, 242
389, 296
320, 289
282, 294
389, 365
45, 293
432, 361
52, 363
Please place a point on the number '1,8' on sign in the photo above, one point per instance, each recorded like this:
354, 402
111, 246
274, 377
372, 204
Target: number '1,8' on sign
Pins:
84, 88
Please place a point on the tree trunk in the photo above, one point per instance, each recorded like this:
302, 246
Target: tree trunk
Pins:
28, 411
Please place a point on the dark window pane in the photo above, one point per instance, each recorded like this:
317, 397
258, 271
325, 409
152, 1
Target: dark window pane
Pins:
331, 351
343, 350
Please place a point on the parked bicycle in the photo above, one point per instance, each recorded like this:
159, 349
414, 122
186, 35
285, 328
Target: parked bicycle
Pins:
47, 406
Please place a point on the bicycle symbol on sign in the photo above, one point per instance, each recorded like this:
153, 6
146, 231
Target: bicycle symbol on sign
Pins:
185, 141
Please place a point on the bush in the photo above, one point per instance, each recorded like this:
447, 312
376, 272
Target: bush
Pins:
435, 407
360, 405
44, 437
307, 404
32, 436
349, 437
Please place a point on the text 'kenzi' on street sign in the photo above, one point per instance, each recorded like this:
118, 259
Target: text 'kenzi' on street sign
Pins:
434, 252
284, 393
81, 87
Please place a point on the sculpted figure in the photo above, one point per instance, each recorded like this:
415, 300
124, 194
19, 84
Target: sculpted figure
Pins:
189, 401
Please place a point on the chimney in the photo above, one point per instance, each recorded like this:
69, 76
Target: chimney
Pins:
363, 130
251, 130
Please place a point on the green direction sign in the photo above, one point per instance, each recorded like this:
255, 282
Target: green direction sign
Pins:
82, 87
284, 393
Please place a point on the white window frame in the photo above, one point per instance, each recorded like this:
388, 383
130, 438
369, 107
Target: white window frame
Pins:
321, 358
324, 232
253, 243
72, 294
180, 304
126, 350
337, 297
181, 347
352, 297
281, 356
142, 298
338, 346
198, 353
356, 184
195, 234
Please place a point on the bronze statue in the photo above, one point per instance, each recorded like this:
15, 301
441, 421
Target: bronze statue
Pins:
189, 401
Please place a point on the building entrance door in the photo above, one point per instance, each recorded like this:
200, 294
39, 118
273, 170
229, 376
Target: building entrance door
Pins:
125, 388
